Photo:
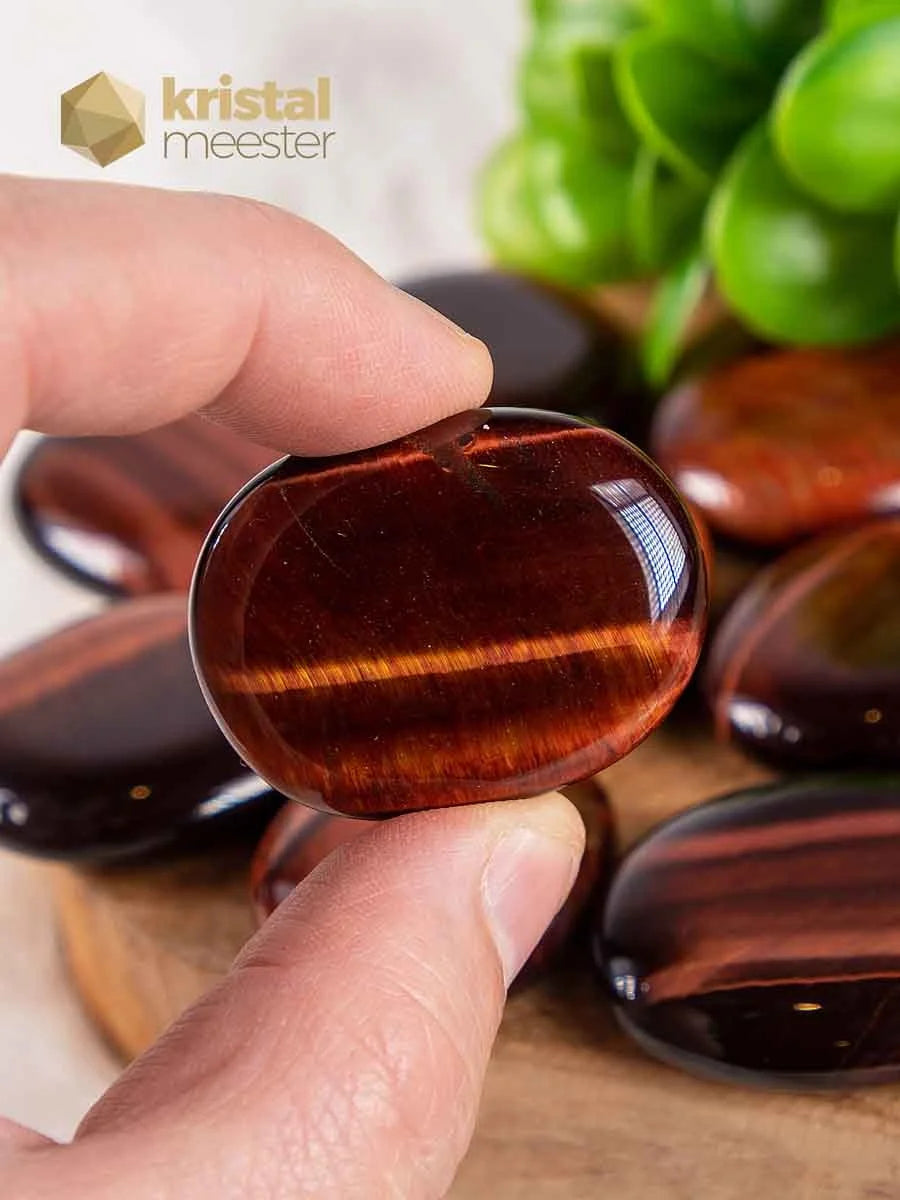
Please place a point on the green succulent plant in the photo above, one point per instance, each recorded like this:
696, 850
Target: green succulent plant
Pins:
754, 142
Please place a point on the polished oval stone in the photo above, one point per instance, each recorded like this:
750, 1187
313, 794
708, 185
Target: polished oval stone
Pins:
128, 515
756, 937
550, 348
300, 838
779, 445
107, 748
805, 668
492, 607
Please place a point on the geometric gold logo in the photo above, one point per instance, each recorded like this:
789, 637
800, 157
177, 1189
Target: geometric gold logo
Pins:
102, 118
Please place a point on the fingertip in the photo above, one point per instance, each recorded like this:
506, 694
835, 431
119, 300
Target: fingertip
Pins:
529, 874
217, 304
468, 356
549, 815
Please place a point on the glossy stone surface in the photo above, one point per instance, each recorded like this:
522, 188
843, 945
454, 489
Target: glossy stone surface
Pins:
805, 668
550, 349
107, 748
756, 937
492, 607
300, 838
780, 445
128, 515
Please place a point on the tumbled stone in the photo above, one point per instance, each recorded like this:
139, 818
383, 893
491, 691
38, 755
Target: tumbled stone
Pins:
107, 748
780, 445
128, 515
550, 348
300, 838
493, 607
756, 937
805, 668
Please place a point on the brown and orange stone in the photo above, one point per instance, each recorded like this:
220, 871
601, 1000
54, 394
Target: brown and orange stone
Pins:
107, 749
493, 607
128, 515
300, 838
805, 668
756, 937
780, 445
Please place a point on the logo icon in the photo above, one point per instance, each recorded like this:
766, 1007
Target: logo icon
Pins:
102, 119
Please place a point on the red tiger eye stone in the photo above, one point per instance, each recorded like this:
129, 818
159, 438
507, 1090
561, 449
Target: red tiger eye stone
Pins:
107, 750
492, 607
128, 515
805, 668
756, 939
779, 445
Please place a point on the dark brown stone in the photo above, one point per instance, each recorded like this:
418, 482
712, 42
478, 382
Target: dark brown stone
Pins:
107, 749
805, 668
128, 515
493, 607
780, 445
756, 937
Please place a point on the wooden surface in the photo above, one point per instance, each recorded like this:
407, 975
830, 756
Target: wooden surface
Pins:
571, 1109
142, 945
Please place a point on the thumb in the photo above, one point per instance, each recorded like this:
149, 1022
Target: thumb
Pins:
345, 1053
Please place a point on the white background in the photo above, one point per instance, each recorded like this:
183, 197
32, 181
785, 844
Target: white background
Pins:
422, 89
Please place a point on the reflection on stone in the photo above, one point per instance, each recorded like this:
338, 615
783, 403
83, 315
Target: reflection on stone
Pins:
805, 668
779, 445
756, 938
107, 749
128, 515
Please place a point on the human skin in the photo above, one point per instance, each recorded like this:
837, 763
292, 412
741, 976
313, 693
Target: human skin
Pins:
344, 1054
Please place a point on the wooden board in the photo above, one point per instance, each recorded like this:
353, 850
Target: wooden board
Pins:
571, 1109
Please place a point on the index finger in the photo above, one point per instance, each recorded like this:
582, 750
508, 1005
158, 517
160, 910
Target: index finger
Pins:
125, 308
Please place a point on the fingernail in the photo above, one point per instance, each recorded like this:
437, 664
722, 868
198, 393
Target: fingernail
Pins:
527, 878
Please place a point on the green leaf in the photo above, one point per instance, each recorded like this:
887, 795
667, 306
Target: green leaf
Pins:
582, 202
687, 109
566, 84
743, 35
711, 27
848, 14
777, 29
557, 210
507, 215
837, 118
793, 269
665, 213
675, 302
614, 14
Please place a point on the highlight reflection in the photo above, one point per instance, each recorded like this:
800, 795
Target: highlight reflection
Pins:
655, 539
